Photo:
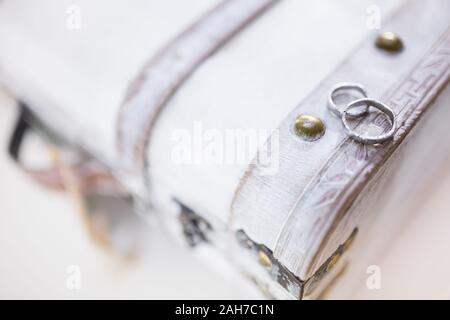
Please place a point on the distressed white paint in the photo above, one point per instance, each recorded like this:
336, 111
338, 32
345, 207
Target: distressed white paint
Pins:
255, 81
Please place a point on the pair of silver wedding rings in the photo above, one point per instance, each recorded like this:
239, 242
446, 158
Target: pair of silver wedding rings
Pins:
346, 114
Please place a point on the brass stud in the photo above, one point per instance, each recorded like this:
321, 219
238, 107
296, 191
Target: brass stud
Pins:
389, 41
309, 127
264, 260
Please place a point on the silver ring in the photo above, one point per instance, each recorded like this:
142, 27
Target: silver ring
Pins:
370, 139
349, 86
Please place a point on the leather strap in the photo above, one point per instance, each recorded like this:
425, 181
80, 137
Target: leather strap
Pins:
92, 177
293, 212
333, 190
167, 71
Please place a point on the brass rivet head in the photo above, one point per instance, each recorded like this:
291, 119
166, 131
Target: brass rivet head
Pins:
309, 127
264, 260
389, 41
